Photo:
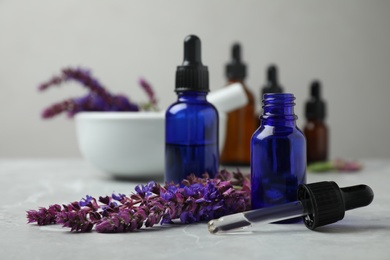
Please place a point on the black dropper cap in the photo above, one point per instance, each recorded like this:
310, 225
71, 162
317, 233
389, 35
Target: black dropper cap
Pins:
328, 203
272, 85
236, 69
315, 107
192, 75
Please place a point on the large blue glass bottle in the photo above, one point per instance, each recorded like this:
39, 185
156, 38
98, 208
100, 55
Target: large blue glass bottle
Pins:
191, 123
278, 153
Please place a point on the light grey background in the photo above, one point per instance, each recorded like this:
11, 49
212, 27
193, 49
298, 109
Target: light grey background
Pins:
345, 44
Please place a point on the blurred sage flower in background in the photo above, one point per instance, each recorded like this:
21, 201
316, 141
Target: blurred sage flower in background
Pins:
98, 98
338, 165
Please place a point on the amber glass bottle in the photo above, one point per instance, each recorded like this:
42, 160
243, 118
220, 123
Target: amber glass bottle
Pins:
315, 130
240, 124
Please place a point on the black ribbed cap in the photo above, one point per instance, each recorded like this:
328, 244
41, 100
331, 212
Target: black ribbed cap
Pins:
236, 69
327, 203
315, 106
192, 75
272, 85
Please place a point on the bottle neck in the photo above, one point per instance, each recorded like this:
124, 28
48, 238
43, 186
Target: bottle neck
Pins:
231, 81
278, 109
316, 120
191, 96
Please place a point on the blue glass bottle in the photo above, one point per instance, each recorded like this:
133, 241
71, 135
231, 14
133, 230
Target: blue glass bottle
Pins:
278, 153
191, 123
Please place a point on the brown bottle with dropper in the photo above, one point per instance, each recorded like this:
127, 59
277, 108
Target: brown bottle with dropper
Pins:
271, 86
315, 130
240, 125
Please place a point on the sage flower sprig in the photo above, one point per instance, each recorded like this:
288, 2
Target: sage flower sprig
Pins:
98, 98
195, 200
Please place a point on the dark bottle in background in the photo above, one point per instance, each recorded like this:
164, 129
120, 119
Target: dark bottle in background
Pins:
191, 123
240, 125
271, 86
315, 129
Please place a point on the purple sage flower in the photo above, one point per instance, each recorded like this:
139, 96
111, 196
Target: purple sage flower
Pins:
196, 200
85, 201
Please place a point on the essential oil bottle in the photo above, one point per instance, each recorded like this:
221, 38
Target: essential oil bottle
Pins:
278, 153
191, 123
240, 124
315, 130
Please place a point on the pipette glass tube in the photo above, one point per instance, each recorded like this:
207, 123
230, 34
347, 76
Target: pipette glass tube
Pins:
320, 204
257, 216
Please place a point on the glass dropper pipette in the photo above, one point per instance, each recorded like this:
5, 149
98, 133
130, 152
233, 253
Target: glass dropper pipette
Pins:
319, 204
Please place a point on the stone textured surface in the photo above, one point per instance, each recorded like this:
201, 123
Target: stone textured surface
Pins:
28, 184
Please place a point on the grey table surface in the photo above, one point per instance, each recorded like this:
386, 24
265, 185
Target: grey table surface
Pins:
29, 184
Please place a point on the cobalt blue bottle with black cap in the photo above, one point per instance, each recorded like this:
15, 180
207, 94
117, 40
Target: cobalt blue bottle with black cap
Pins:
191, 123
278, 153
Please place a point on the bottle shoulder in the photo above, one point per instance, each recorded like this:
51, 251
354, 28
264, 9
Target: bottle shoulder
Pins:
277, 132
180, 107
312, 125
